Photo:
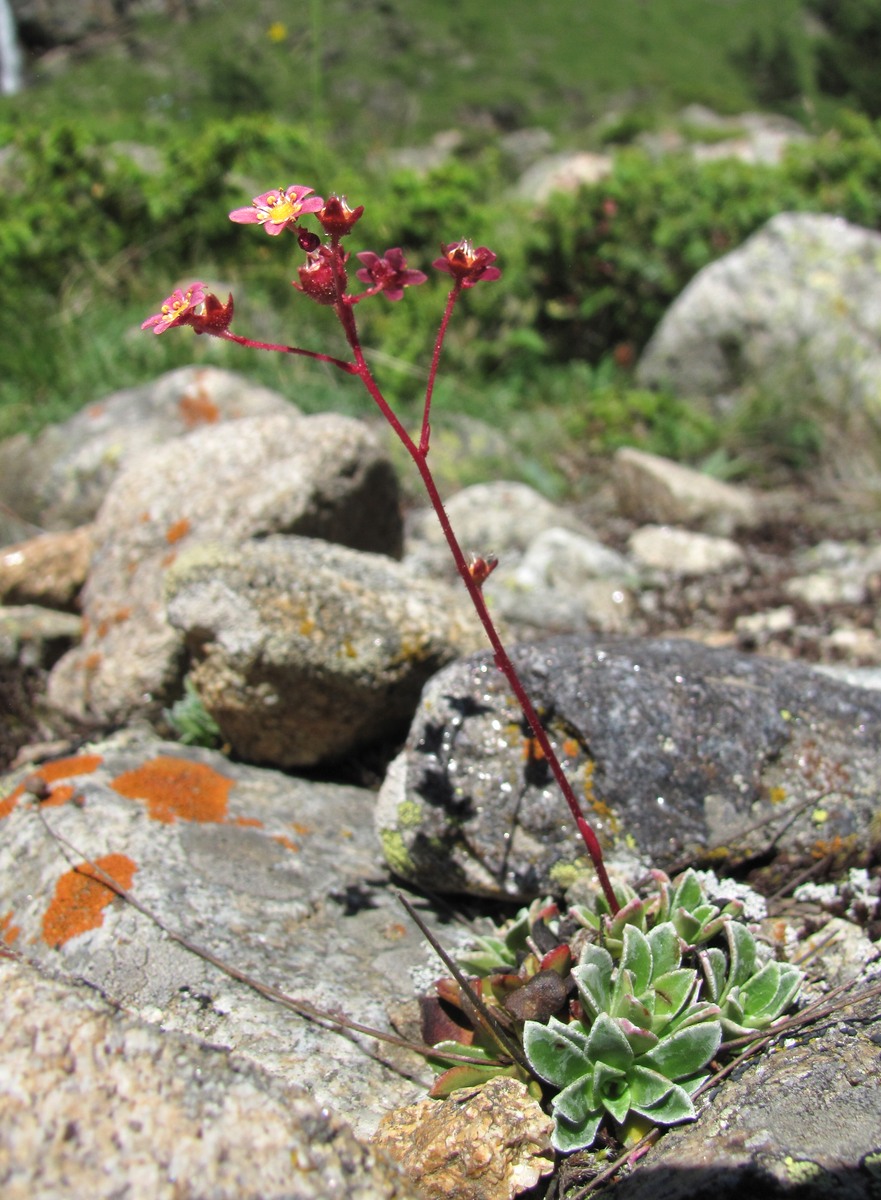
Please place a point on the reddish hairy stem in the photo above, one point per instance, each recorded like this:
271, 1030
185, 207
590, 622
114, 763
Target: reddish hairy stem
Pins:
419, 454
251, 344
435, 360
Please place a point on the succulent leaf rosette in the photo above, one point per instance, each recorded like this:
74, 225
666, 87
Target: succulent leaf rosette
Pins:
654, 989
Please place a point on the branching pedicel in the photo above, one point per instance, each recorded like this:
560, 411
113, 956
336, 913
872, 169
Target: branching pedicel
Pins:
323, 277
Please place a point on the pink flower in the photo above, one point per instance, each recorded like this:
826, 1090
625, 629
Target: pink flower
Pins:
467, 265
389, 274
178, 309
183, 308
275, 211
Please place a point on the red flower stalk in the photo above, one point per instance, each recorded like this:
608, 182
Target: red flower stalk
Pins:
467, 265
388, 274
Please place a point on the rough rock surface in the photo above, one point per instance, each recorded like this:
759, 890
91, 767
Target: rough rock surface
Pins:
59, 480
278, 876
48, 570
322, 476
677, 750
489, 1143
653, 490
306, 651
96, 1102
794, 313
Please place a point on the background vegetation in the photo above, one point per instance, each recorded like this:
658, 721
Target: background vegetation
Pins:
118, 171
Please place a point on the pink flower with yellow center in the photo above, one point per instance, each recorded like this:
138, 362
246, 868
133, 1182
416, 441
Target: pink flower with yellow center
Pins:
275, 211
178, 309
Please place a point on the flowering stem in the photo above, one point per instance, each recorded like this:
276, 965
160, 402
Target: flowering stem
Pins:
435, 360
327, 358
419, 454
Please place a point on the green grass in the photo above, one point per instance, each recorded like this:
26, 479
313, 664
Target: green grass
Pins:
357, 79
375, 75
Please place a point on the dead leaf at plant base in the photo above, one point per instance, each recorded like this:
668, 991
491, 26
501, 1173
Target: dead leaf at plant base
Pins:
489, 1143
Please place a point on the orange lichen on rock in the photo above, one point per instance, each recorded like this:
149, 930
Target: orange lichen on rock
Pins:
49, 773
286, 842
8, 931
197, 408
176, 531
175, 788
80, 898
248, 822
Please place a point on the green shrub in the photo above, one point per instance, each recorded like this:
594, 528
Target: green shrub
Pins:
606, 263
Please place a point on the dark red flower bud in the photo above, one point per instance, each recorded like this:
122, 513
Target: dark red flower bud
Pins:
467, 265
318, 279
308, 241
337, 218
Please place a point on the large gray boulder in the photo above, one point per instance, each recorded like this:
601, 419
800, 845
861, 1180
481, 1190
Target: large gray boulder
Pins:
794, 314
97, 1102
279, 877
305, 651
323, 476
58, 479
675, 750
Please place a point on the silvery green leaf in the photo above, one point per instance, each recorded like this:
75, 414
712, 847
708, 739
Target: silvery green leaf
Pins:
741, 953
611, 1090
576, 1100
688, 893
640, 1039
703, 1010
606, 1043
577, 1133
632, 913
714, 966
666, 952
647, 1087
758, 992
675, 1107
789, 980
671, 994
636, 957
686, 1051
553, 1057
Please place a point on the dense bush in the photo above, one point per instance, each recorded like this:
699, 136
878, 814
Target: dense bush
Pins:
606, 263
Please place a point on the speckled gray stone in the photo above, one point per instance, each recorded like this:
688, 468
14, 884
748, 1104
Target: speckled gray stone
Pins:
675, 749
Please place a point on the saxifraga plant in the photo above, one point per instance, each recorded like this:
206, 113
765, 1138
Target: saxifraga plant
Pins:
619, 1010
323, 278
623, 1040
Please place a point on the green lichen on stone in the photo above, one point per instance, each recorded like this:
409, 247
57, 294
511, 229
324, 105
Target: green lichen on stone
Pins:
395, 852
409, 814
801, 1170
564, 874
872, 1163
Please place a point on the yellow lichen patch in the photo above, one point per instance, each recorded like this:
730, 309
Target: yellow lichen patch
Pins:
8, 932
777, 795
80, 898
49, 773
598, 807
175, 788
